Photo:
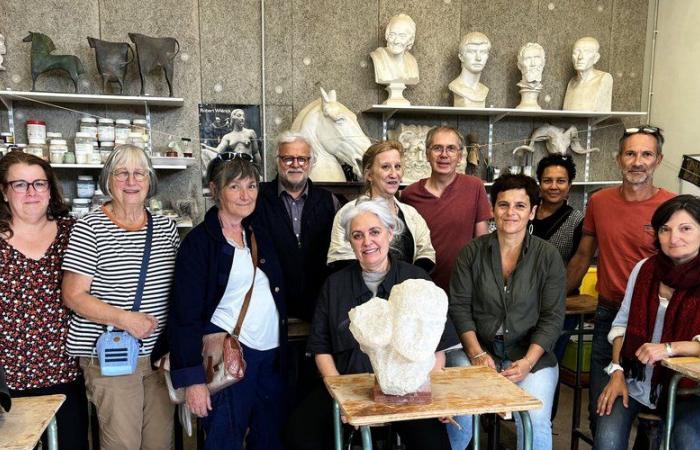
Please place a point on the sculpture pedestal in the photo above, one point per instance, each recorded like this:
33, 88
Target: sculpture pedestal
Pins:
396, 97
423, 396
528, 99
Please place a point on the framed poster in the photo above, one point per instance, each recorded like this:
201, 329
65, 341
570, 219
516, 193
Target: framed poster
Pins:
229, 128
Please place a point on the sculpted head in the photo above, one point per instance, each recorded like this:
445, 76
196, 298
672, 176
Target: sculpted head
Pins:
400, 34
585, 54
474, 51
531, 62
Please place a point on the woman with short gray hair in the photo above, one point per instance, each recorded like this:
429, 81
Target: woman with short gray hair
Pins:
102, 274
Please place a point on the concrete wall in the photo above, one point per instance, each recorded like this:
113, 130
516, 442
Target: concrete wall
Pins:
675, 89
314, 43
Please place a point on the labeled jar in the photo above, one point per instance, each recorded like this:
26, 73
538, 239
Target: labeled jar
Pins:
57, 149
38, 150
83, 147
89, 125
105, 130
122, 130
7, 137
36, 131
137, 140
85, 186
81, 206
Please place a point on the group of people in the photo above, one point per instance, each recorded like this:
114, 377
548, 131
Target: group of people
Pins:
289, 247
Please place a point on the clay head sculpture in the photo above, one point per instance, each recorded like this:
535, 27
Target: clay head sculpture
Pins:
531, 60
590, 89
394, 65
473, 53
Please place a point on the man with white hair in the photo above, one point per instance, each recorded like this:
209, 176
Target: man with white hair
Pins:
299, 217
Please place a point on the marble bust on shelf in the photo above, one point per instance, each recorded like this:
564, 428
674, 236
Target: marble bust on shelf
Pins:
531, 60
590, 89
394, 65
400, 335
473, 53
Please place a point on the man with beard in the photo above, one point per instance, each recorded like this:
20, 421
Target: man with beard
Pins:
618, 225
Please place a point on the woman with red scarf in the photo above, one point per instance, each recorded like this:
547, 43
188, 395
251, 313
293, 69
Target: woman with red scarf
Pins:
659, 318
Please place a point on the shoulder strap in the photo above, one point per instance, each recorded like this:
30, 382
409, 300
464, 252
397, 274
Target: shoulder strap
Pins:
249, 294
144, 263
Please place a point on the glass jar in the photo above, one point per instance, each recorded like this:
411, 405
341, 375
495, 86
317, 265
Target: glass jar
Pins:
36, 131
89, 125
140, 126
137, 140
38, 150
83, 147
105, 150
81, 206
186, 147
51, 135
105, 130
57, 149
85, 186
122, 129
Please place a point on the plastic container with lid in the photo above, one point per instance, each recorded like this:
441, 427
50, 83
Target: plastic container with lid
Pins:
137, 140
89, 125
57, 149
38, 150
85, 186
53, 135
105, 150
83, 147
36, 131
81, 206
140, 126
105, 130
122, 129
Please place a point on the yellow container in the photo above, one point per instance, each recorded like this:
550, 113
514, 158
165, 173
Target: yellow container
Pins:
589, 281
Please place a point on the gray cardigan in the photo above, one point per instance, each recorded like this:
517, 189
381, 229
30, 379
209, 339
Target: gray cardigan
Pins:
530, 308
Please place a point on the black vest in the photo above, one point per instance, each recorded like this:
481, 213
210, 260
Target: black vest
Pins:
303, 264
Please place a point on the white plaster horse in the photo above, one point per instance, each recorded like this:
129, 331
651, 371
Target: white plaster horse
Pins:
556, 140
334, 135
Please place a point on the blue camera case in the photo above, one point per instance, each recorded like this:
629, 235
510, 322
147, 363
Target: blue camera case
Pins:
118, 352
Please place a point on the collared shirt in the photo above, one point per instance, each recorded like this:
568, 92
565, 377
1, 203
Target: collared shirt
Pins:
294, 206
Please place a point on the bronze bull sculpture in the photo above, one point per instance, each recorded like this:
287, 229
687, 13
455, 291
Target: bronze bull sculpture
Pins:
112, 58
43, 61
153, 53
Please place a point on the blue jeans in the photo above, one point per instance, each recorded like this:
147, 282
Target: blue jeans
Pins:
540, 385
601, 355
614, 430
254, 405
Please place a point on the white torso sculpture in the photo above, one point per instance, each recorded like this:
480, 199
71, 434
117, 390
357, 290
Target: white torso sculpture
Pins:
467, 91
590, 89
400, 335
531, 60
394, 66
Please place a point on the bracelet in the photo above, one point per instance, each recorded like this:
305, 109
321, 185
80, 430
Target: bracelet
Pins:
478, 355
669, 349
528, 362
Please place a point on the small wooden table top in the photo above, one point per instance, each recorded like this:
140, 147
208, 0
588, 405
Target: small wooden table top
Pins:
581, 304
455, 391
688, 366
21, 428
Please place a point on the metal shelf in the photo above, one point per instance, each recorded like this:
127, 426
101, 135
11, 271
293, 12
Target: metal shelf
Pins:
99, 166
99, 99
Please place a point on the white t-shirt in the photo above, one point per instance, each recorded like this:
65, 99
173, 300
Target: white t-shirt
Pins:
112, 256
260, 329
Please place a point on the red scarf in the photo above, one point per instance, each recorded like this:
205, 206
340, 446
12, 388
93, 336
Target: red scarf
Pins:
682, 320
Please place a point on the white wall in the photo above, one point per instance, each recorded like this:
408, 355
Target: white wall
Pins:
675, 86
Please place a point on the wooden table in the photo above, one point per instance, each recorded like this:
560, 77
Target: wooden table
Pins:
21, 428
579, 305
685, 367
471, 390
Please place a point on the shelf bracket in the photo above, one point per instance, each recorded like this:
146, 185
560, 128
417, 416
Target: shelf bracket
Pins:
385, 123
148, 127
10, 114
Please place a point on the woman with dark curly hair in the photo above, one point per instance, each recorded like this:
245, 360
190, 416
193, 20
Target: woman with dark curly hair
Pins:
34, 232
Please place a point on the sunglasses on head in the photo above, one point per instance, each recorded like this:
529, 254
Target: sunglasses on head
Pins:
230, 156
645, 129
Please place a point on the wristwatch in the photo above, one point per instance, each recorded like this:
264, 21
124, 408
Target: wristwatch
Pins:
613, 367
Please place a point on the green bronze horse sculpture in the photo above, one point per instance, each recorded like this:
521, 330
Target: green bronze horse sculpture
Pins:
43, 60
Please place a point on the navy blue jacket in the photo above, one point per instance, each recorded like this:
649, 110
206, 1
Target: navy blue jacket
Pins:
202, 271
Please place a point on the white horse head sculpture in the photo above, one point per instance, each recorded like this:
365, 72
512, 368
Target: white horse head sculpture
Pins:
334, 135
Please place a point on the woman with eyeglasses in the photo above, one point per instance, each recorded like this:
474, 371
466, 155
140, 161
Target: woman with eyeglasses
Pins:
102, 271
34, 231
222, 261
382, 168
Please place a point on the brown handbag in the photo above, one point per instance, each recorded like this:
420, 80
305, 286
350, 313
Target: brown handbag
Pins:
224, 362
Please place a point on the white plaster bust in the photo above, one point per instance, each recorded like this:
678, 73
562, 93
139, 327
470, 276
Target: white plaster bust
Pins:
400, 335
590, 89
467, 90
394, 63
531, 60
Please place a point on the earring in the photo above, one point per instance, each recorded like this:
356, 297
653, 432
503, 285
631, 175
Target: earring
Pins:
531, 228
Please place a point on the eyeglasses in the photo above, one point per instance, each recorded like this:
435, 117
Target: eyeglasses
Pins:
289, 160
230, 156
123, 175
450, 149
22, 186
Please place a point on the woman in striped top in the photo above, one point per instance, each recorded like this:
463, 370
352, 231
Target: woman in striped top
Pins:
101, 274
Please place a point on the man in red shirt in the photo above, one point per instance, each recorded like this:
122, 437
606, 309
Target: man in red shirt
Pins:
618, 225
455, 206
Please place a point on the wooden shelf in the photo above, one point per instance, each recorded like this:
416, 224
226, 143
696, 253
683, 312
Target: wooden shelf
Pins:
58, 97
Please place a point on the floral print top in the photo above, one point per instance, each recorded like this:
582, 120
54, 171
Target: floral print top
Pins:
33, 320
